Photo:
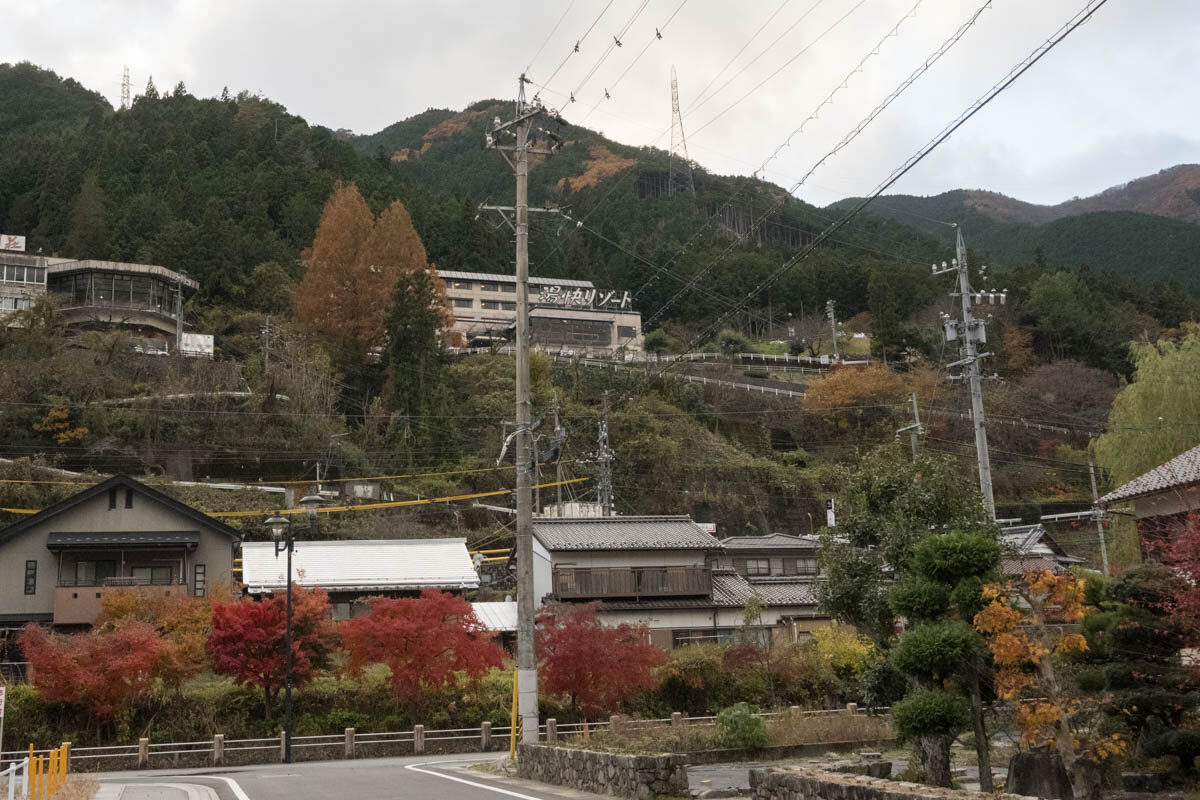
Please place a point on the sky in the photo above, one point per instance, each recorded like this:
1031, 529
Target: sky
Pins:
1115, 101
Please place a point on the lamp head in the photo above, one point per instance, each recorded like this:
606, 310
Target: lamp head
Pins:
310, 503
277, 525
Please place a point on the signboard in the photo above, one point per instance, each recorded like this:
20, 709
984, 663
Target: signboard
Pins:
197, 345
10, 242
585, 298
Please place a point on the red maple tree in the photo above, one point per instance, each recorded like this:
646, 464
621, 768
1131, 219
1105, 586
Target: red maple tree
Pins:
424, 641
247, 639
1176, 543
599, 667
98, 671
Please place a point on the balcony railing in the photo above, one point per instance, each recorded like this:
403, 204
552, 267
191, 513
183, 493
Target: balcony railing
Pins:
592, 582
69, 581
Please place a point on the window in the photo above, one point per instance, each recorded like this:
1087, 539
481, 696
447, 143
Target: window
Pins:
157, 576
463, 302
489, 305
508, 306
94, 573
625, 332
31, 577
199, 581
463, 285
758, 566
112, 498
800, 566
489, 287
509, 288
129, 498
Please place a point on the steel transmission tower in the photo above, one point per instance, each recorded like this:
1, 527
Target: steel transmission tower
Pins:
972, 332
522, 136
125, 102
678, 145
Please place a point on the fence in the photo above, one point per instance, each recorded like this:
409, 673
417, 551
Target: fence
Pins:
16, 778
349, 744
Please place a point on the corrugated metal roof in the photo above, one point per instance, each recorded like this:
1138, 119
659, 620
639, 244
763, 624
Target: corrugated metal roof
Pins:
1181, 470
622, 533
494, 277
362, 565
772, 541
500, 617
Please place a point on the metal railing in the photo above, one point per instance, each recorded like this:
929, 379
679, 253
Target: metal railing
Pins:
17, 779
353, 744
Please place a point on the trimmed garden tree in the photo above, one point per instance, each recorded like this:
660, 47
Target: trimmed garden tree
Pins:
914, 541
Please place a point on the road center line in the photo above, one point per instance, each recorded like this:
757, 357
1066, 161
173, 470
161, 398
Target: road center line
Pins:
417, 768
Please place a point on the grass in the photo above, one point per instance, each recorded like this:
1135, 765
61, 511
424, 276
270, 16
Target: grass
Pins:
76, 789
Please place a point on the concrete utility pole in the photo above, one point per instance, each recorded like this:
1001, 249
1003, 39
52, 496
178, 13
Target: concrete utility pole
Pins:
915, 429
1097, 514
604, 455
832, 325
520, 131
972, 332
560, 436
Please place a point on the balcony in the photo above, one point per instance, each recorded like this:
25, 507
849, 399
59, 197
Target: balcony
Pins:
574, 583
79, 604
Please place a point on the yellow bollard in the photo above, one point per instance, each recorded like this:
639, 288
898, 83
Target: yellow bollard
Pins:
63, 757
37, 779
52, 773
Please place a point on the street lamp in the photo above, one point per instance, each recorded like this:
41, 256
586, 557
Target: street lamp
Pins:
281, 532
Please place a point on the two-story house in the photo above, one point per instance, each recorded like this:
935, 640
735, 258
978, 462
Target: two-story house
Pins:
665, 573
774, 554
56, 565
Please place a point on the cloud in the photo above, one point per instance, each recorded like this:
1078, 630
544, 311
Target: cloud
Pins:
1106, 106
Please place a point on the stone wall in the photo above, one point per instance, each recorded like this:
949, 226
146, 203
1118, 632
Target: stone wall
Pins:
638, 777
773, 783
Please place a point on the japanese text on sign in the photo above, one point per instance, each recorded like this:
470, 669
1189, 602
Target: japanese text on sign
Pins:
584, 298
11, 242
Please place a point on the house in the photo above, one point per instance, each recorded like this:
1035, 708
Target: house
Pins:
1029, 548
353, 569
499, 617
666, 573
1162, 499
57, 565
773, 554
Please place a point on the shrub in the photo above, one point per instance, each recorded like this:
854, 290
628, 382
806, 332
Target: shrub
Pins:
882, 685
738, 728
930, 712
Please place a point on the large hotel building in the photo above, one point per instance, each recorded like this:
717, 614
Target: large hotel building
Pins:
564, 314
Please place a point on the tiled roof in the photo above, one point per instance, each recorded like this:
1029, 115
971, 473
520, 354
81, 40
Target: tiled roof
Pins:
362, 565
1181, 470
622, 533
131, 538
500, 617
1020, 566
785, 591
1022, 538
772, 541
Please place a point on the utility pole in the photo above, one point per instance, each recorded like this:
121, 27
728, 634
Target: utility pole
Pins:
559, 438
832, 326
266, 348
179, 319
971, 331
604, 456
915, 429
1097, 514
520, 131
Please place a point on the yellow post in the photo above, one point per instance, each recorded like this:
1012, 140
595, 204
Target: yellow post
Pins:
52, 773
37, 780
63, 758
512, 735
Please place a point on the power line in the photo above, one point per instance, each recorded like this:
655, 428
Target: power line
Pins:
729, 63
550, 35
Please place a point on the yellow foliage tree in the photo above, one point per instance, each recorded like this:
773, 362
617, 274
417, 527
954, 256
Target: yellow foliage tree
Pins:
1026, 622
57, 423
855, 399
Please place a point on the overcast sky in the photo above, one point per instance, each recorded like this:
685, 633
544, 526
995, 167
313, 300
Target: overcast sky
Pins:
1117, 100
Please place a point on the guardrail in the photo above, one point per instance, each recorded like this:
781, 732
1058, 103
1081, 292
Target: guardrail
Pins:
348, 744
17, 779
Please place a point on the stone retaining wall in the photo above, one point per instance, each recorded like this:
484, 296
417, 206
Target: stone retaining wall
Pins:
638, 777
773, 783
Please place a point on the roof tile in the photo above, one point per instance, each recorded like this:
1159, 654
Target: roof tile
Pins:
622, 533
1181, 470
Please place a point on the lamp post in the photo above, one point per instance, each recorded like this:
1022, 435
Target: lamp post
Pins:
281, 532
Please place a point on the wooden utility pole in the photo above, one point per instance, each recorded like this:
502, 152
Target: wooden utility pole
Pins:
519, 137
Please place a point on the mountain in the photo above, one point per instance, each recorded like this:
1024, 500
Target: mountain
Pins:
1145, 229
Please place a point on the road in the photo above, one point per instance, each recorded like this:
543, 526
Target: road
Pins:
410, 778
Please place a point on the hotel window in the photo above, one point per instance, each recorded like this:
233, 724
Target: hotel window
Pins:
199, 581
31, 577
468, 285
489, 287
490, 305
463, 302
626, 332
508, 306
510, 288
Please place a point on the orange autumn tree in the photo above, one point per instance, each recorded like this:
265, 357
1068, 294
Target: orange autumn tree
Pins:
1027, 622
352, 268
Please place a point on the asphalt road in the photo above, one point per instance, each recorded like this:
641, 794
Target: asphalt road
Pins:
410, 778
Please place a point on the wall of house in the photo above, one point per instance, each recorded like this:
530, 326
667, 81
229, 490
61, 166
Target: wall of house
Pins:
629, 558
1165, 503
777, 566
543, 579
26, 546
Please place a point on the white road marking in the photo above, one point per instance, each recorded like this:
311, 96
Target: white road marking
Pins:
233, 785
417, 768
